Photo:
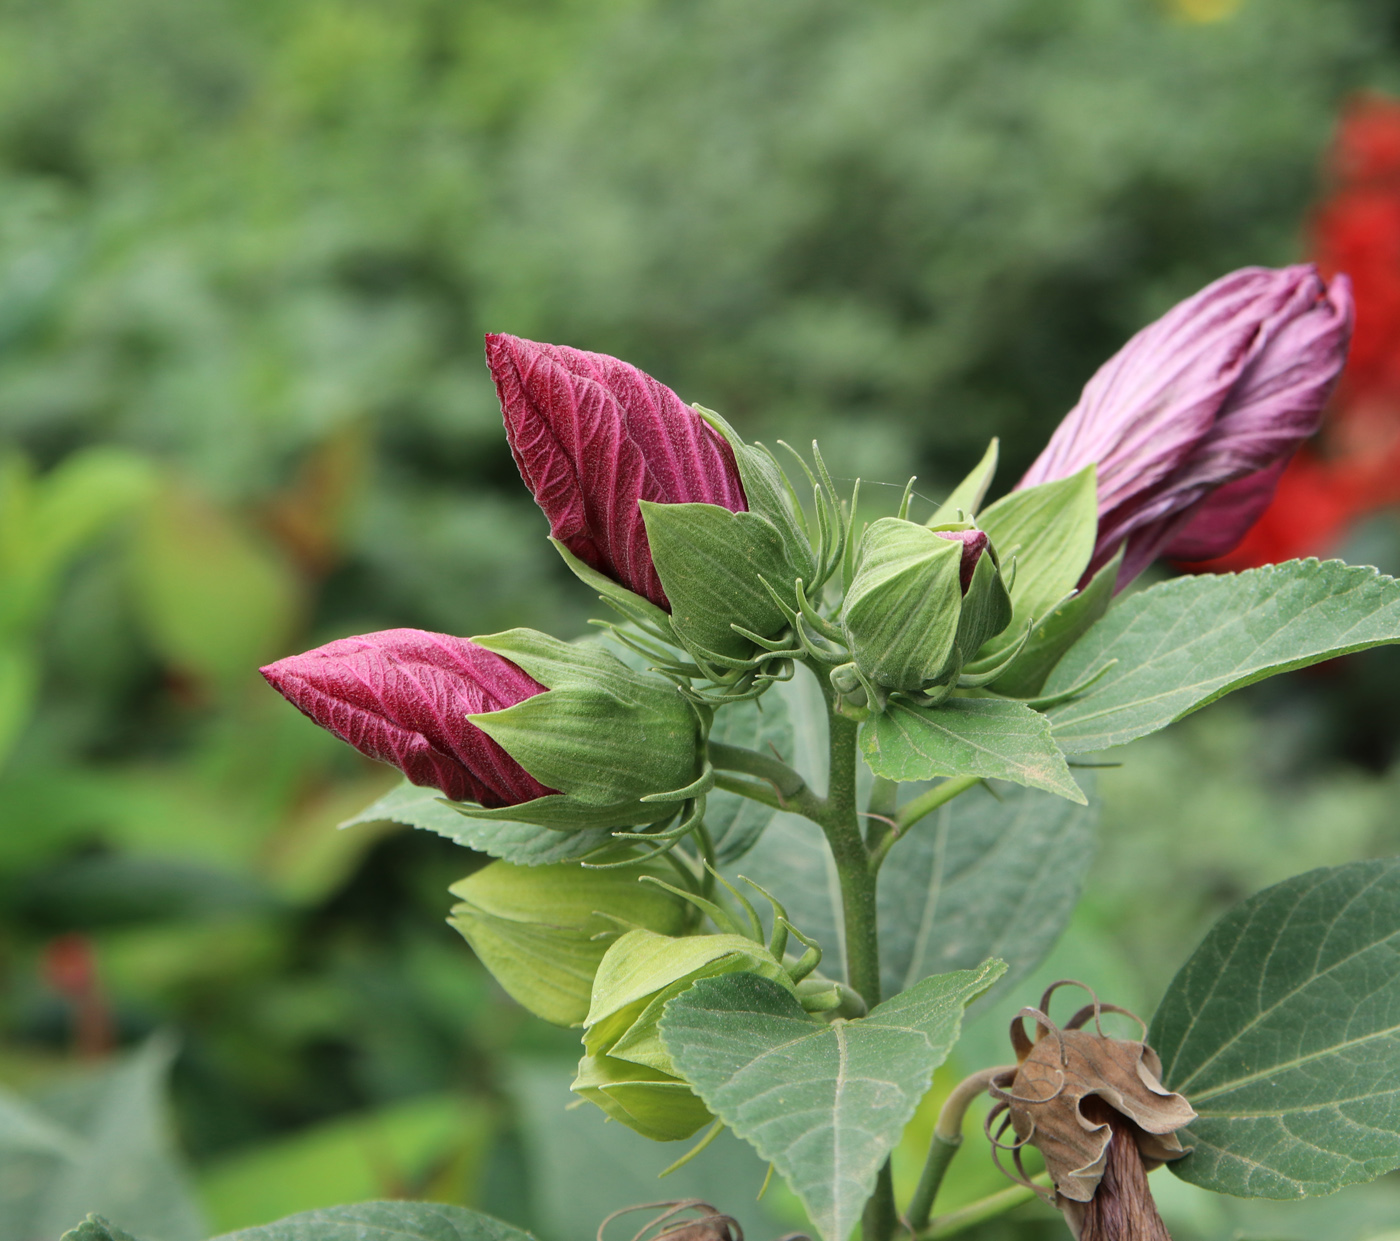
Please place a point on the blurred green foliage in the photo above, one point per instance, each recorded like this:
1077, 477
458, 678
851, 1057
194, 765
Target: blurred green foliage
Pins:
247, 252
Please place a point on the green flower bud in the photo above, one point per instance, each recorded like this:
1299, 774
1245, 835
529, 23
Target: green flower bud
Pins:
543, 930
626, 1070
921, 603
612, 740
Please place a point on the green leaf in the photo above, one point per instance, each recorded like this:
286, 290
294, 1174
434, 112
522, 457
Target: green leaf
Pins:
1283, 1031
983, 876
95, 1228
215, 601
710, 561
763, 724
525, 844
986, 737
824, 1102
1059, 631
1182, 644
436, 1142
121, 1160
966, 497
1050, 531
384, 1221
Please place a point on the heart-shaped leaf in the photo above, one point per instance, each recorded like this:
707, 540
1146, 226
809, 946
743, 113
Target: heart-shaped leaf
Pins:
1283, 1031
1182, 644
825, 1103
986, 737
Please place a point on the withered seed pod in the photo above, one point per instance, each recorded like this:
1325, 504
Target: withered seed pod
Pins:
1096, 1110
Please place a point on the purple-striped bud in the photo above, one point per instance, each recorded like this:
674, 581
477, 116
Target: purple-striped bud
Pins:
402, 696
1193, 420
974, 544
592, 436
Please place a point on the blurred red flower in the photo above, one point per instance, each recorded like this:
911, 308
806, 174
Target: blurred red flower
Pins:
1352, 468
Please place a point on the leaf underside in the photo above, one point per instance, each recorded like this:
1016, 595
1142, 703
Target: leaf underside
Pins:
1283, 1030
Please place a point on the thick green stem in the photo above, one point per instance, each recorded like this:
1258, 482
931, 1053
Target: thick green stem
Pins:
840, 820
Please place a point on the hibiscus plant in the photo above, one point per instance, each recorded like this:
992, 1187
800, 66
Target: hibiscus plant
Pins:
682, 826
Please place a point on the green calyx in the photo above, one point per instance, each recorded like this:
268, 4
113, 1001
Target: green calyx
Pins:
731, 577
615, 742
542, 931
626, 1069
908, 624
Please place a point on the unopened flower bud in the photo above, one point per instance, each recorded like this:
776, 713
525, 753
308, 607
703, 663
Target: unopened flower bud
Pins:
1191, 423
543, 930
592, 437
403, 696
921, 603
626, 1070
1096, 1110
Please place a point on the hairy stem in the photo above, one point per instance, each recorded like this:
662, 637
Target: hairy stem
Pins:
781, 786
840, 820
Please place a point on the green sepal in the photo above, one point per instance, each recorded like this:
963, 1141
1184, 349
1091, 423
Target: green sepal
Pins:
713, 565
1050, 530
605, 735
1057, 632
542, 931
902, 611
770, 495
656, 1105
633, 606
966, 498
986, 607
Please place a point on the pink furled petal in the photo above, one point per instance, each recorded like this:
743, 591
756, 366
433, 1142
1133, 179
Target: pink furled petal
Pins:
1215, 526
1226, 385
402, 696
974, 544
592, 436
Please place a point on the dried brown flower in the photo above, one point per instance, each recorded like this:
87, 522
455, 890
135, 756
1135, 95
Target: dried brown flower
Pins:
1096, 1110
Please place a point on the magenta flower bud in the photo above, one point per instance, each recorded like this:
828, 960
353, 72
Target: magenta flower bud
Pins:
1192, 421
402, 696
592, 436
974, 544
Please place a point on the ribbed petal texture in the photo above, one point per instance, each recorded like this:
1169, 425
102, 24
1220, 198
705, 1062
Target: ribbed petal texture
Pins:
974, 544
402, 696
592, 436
1192, 421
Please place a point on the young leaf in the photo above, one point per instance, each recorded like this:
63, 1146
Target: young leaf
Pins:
983, 876
1049, 529
1283, 1031
967, 737
383, 1221
1056, 633
1182, 644
824, 1102
525, 844
967, 496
